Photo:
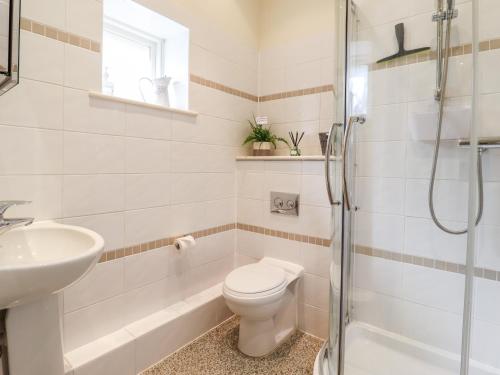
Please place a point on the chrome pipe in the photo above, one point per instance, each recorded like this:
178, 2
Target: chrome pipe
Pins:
439, 51
484, 143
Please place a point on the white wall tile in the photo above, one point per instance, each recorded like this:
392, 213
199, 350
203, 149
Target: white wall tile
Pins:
316, 259
144, 268
313, 321
82, 69
381, 159
388, 86
147, 190
91, 194
378, 275
384, 123
93, 153
147, 224
34, 104
210, 249
434, 327
379, 310
315, 291
110, 226
380, 231
44, 191
186, 187
85, 114
103, 282
144, 301
87, 324
423, 238
43, 58
30, 151
382, 195
434, 288
147, 123
84, 18
250, 244
146, 156
47, 12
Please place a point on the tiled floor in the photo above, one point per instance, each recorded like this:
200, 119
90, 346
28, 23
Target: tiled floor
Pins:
216, 353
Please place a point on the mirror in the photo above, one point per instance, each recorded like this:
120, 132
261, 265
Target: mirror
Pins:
9, 44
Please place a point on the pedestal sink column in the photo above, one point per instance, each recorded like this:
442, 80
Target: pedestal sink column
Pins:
34, 338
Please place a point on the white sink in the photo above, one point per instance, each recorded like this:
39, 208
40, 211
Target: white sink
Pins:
44, 258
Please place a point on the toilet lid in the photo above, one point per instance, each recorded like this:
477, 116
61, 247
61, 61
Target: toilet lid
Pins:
255, 278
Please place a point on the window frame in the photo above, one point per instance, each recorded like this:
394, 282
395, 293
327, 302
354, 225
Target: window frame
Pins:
155, 44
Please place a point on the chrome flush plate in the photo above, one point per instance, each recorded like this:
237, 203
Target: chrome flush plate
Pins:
285, 203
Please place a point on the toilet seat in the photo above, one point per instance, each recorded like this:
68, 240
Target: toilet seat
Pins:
255, 281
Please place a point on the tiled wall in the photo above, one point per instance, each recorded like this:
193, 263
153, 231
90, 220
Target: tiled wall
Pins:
133, 174
304, 239
416, 293
297, 73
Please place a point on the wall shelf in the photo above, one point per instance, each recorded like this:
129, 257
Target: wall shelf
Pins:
285, 158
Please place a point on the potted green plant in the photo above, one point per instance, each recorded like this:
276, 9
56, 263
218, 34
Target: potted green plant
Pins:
263, 139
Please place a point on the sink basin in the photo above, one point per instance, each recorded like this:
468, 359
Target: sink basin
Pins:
44, 258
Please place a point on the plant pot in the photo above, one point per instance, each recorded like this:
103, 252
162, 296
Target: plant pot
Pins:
262, 149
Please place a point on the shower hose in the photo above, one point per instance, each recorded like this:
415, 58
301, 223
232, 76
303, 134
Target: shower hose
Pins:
444, 81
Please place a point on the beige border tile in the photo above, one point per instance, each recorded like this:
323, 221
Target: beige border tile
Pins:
60, 35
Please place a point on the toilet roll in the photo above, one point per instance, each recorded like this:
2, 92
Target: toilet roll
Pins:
184, 243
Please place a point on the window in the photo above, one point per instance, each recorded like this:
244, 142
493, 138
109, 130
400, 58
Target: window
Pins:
128, 56
144, 55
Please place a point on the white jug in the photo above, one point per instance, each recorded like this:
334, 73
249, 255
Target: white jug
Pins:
160, 89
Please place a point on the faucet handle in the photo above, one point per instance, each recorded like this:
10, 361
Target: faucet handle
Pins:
4, 205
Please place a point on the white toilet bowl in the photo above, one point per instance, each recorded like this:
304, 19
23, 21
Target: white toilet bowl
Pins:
264, 295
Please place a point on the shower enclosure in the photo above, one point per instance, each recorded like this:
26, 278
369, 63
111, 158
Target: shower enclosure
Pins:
415, 276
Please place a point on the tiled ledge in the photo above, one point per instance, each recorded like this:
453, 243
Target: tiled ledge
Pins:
146, 336
101, 96
286, 158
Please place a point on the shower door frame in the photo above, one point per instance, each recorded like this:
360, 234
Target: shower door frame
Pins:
340, 288
346, 31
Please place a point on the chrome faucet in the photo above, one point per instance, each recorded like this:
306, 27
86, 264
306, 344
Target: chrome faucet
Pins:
7, 224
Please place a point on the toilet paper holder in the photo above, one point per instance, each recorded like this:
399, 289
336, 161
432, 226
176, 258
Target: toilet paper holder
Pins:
184, 242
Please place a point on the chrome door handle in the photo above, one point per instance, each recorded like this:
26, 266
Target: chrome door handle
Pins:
327, 164
352, 120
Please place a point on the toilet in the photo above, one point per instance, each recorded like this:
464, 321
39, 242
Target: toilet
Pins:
264, 295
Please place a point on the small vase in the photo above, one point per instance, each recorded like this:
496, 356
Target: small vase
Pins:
295, 151
262, 149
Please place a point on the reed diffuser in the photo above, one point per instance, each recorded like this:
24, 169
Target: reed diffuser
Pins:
295, 150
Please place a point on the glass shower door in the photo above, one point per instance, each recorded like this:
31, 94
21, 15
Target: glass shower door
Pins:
399, 284
331, 357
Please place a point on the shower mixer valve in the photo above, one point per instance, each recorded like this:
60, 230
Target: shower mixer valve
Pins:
445, 15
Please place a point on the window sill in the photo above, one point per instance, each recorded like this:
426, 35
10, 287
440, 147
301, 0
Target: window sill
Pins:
99, 95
